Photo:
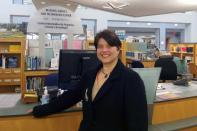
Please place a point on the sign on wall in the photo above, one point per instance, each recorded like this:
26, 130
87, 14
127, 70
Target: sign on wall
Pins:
55, 19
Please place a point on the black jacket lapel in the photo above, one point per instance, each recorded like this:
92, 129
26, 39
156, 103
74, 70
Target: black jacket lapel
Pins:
107, 85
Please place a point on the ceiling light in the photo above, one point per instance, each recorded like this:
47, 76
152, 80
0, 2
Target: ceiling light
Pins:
149, 24
128, 23
79, 6
43, 2
189, 12
175, 24
188, 2
68, 4
106, 7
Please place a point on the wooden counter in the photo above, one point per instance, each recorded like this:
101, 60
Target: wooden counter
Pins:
166, 115
68, 121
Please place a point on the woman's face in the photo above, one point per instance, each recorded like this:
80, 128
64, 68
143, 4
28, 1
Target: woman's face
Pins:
106, 54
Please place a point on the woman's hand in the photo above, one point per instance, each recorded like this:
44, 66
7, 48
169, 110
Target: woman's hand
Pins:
30, 111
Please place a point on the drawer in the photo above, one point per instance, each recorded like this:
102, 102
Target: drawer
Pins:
7, 71
16, 70
7, 80
16, 80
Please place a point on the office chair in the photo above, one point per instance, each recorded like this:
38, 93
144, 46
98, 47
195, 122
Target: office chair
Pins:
193, 69
169, 69
150, 77
137, 64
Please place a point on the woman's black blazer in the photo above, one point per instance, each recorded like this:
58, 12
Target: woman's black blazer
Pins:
120, 104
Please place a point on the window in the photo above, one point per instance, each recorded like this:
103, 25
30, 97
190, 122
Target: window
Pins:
53, 36
22, 2
33, 36
90, 26
18, 19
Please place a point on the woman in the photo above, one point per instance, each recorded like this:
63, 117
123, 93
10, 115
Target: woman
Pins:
113, 96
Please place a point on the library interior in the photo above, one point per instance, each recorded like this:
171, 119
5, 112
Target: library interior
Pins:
54, 50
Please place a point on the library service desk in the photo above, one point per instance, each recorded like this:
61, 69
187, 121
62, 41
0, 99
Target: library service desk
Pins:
175, 108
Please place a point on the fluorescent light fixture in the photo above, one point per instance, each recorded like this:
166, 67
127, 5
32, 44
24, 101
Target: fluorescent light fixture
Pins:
189, 12
188, 2
149, 24
68, 4
106, 7
162, 42
128, 23
43, 2
175, 24
79, 7
76, 36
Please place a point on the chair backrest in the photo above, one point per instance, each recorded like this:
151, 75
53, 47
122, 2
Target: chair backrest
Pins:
193, 69
168, 69
150, 77
137, 64
181, 65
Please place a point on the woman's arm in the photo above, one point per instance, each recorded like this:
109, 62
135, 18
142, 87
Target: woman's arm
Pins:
62, 102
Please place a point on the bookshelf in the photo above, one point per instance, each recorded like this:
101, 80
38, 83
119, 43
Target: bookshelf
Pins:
90, 46
186, 51
11, 64
32, 80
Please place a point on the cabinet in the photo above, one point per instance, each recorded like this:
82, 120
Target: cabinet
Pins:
11, 64
186, 51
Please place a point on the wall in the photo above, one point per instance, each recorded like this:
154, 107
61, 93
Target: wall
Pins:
102, 17
7, 9
189, 19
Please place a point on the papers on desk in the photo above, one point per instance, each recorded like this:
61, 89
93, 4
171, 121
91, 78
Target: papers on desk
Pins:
194, 82
167, 95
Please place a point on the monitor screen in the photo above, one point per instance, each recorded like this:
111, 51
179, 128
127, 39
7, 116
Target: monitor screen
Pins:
72, 64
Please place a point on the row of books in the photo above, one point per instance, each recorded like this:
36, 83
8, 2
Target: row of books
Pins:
136, 55
8, 61
33, 63
182, 49
34, 84
140, 47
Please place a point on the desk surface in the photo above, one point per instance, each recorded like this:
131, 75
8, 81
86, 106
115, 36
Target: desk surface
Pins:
171, 92
174, 92
20, 109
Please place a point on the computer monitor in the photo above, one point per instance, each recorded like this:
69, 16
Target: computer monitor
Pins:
72, 64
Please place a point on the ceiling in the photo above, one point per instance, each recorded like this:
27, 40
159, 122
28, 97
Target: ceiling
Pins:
134, 8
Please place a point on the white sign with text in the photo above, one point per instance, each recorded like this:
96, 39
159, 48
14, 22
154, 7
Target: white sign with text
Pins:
55, 19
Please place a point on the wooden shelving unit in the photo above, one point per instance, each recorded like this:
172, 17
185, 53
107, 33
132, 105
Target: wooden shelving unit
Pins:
184, 50
11, 75
33, 74
89, 45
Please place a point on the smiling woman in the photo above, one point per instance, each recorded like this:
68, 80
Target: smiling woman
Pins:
113, 96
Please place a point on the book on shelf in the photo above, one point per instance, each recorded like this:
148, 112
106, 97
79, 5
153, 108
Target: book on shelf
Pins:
3, 61
11, 62
8, 62
33, 63
183, 49
34, 84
